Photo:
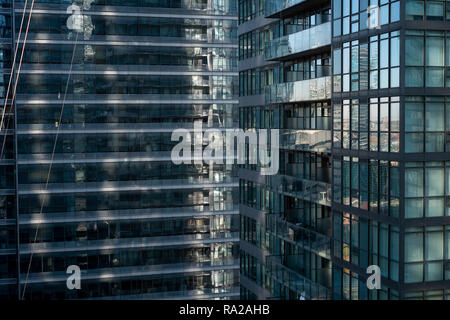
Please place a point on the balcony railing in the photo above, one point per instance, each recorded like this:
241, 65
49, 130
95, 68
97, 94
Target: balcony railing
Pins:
201, 293
296, 91
305, 288
272, 7
299, 235
295, 43
306, 140
309, 190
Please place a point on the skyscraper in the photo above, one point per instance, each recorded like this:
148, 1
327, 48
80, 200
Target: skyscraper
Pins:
88, 178
359, 89
285, 83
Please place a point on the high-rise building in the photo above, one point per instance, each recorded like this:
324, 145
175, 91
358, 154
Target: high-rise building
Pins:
357, 88
86, 174
285, 84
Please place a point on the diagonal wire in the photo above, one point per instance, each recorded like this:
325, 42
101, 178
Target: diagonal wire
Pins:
13, 64
12, 74
18, 75
51, 161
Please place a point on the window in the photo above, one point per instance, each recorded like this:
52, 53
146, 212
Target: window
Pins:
369, 65
425, 187
352, 15
425, 59
426, 120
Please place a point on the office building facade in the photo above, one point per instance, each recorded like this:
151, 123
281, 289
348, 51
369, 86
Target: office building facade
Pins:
91, 182
359, 92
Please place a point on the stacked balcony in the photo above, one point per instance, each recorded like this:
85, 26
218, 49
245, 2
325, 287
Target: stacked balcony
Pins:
274, 7
302, 41
299, 234
304, 288
306, 90
299, 42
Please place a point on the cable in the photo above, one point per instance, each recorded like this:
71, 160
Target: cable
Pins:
13, 65
18, 74
51, 160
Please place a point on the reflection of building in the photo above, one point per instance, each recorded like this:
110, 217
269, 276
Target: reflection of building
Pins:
388, 120
137, 225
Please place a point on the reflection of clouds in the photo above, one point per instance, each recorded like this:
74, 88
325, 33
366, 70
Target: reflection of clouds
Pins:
317, 140
81, 23
87, 4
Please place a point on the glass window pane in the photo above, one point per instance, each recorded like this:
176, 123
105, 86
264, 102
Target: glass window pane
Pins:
435, 51
414, 48
395, 77
395, 11
413, 208
434, 142
395, 117
414, 273
414, 182
384, 53
414, 10
414, 142
433, 271
414, 77
435, 77
434, 207
434, 115
448, 180
435, 10
434, 249
413, 247
434, 178
414, 117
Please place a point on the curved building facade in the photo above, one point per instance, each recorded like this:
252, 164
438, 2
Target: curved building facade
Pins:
102, 86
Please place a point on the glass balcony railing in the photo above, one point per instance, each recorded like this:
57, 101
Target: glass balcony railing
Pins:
309, 39
321, 225
304, 288
299, 235
201, 293
296, 91
306, 140
272, 7
308, 190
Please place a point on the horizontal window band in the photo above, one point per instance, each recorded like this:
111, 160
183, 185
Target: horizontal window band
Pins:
128, 243
114, 187
123, 72
134, 14
117, 215
99, 158
127, 100
129, 272
187, 44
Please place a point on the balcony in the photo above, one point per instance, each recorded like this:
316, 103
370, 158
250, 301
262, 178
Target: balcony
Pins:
308, 190
200, 293
272, 7
298, 170
296, 43
299, 235
304, 288
296, 91
306, 140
